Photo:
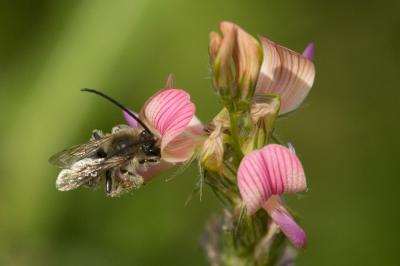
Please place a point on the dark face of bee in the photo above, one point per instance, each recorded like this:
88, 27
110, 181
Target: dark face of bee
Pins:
149, 147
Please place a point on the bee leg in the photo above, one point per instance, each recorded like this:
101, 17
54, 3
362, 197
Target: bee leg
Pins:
134, 180
129, 175
145, 163
108, 182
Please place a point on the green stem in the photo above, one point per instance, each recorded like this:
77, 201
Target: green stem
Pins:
235, 135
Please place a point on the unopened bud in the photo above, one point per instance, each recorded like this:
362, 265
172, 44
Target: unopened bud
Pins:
237, 50
221, 49
263, 114
222, 119
214, 45
212, 152
265, 110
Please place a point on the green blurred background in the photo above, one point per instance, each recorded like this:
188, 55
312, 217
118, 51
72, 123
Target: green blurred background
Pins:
346, 134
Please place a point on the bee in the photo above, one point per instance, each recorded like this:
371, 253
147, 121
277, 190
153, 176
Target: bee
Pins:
118, 157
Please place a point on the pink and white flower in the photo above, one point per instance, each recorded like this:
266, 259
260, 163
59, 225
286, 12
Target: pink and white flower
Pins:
262, 67
265, 174
170, 115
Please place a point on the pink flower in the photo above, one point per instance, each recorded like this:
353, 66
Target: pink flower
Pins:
260, 67
169, 114
264, 175
285, 73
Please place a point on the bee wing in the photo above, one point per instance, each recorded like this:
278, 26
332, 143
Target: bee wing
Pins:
85, 170
69, 156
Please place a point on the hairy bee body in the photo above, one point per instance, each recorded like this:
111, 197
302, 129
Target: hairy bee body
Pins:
118, 158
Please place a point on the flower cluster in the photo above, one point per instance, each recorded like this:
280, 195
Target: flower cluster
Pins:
239, 156
258, 81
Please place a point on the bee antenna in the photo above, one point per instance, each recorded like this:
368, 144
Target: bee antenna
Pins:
129, 112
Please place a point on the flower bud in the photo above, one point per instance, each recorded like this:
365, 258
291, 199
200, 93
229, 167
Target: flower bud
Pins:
222, 118
238, 50
214, 45
263, 114
212, 152
265, 110
221, 49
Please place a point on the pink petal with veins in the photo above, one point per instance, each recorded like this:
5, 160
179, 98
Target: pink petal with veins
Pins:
182, 147
286, 222
169, 112
286, 73
273, 170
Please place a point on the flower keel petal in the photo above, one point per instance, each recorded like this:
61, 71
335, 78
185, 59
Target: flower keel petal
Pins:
286, 222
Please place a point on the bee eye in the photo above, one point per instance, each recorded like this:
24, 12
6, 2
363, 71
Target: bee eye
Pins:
144, 135
149, 149
155, 151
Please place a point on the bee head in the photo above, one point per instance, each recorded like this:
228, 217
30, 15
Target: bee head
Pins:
149, 144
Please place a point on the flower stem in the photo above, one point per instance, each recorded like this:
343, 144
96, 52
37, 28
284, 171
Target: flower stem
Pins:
235, 135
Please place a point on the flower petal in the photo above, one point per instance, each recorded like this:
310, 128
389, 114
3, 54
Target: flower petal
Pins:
309, 51
129, 120
169, 113
153, 170
195, 126
273, 170
286, 73
286, 222
182, 147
